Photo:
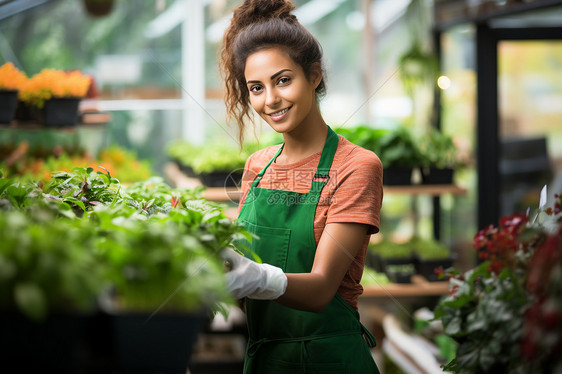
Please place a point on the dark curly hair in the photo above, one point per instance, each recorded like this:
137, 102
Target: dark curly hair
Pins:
258, 25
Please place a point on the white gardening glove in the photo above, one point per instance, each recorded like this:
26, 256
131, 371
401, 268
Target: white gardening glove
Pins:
250, 279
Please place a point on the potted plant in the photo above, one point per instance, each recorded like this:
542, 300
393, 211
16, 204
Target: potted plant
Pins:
49, 280
430, 255
394, 259
438, 158
56, 94
399, 154
218, 165
505, 314
11, 80
363, 136
150, 254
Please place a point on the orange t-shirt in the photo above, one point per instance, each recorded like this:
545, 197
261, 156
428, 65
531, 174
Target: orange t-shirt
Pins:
353, 194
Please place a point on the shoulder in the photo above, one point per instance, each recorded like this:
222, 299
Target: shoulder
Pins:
349, 155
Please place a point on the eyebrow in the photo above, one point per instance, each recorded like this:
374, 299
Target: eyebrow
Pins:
272, 77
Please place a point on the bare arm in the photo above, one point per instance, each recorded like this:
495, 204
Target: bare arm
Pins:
337, 248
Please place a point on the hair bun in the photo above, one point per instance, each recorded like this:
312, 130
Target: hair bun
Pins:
254, 11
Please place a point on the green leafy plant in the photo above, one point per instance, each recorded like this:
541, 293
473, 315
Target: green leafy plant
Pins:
152, 246
429, 249
390, 249
438, 150
495, 310
399, 148
363, 136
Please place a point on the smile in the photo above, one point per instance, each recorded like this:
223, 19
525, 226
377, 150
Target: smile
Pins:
278, 116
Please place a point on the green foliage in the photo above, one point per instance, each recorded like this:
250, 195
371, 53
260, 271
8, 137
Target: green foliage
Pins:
390, 249
399, 148
69, 242
363, 136
429, 249
370, 277
505, 313
438, 150
208, 158
417, 67
484, 316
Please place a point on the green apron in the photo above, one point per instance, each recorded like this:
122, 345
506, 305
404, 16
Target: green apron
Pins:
283, 339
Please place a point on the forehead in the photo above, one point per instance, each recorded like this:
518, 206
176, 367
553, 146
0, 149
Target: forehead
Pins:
267, 62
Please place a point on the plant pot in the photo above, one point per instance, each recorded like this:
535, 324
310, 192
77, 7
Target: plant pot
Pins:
47, 346
8, 104
393, 268
434, 175
397, 176
27, 113
221, 178
374, 261
426, 267
185, 169
162, 343
98, 8
61, 111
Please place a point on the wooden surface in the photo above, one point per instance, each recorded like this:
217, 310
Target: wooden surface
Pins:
233, 193
419, 287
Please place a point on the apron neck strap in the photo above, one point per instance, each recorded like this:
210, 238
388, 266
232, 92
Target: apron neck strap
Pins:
322, 174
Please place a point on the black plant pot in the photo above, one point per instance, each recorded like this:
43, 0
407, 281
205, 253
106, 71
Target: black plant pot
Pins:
27, 113
49, 346
221, 178
8, 103
426, 267
61, 111
397, 176
185, 169
162, 343
391, 267
433, 175
374, 261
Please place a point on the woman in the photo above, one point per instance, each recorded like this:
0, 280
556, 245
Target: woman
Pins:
312, 203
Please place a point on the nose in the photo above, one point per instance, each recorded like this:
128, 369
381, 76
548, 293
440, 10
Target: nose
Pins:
272, 98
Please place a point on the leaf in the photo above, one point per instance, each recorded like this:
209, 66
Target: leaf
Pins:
76, 201
453, 327
30, 300
542, 202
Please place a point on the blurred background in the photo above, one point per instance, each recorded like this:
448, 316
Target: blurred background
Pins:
485, 72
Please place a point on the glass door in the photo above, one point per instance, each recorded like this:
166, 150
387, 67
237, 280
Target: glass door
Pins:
530, 122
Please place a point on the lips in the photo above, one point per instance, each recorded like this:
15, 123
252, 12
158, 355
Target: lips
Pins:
278, 116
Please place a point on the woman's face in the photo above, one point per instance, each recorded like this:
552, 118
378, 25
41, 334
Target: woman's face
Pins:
279, 90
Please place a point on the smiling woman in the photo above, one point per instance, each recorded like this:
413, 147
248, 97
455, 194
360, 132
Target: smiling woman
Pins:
316, 206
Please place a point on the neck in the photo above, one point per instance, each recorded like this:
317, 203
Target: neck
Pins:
304, 141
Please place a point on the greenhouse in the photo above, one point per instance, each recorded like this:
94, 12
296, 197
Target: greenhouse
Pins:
281, 186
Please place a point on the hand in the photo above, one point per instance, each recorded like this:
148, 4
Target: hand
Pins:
250, 279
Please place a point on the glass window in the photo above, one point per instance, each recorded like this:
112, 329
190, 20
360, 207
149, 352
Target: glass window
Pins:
530, 97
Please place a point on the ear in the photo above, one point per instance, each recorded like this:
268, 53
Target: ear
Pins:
316, 74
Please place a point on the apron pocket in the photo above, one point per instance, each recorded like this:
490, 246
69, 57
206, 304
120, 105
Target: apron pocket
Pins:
271, 244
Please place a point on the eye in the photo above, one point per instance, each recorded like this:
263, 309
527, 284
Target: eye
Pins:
256, 89
283, 80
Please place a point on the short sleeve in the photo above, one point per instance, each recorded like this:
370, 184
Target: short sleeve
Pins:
357, 194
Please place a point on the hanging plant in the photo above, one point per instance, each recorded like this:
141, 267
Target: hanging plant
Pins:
416, 66
98, 8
